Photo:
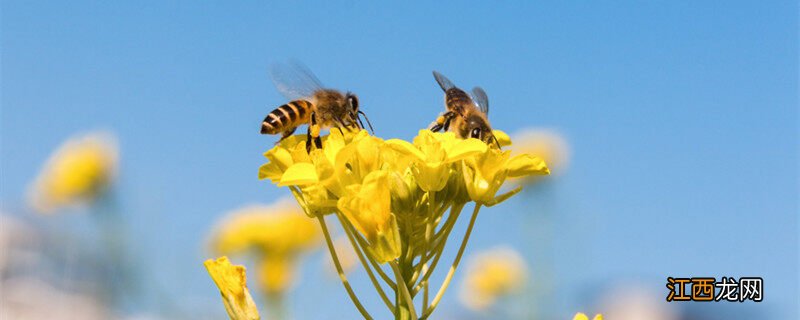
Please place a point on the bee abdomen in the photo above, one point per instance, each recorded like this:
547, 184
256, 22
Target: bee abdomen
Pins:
286, 116
455, 98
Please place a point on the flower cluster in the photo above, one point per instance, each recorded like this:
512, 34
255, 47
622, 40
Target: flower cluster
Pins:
397, 200
491, 275
77, 173
276, 235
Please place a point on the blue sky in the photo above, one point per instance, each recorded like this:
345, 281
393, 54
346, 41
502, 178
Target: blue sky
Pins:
682, 119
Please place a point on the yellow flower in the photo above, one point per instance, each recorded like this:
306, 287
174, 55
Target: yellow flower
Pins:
432, 155
400, 199
232, 283
277, 234
313, 175
77, 173
368, 207
491, 275
549, 145
582, 316
486, 173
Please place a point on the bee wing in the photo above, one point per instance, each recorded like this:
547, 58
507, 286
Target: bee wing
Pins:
294, 80
481, 99
443, 81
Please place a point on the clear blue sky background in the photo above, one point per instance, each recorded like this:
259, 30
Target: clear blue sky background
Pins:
682, 118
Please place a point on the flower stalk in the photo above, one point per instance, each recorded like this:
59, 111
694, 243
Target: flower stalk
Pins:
397, 201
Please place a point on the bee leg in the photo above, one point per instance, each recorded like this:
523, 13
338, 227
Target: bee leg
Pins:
447, 124
318, 142
340, 126
313, 133
286, 134
308, 140
443, 121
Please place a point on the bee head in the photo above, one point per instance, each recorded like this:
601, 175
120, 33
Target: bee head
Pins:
352, 102
478, 128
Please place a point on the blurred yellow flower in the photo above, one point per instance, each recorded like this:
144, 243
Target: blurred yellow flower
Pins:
491, 275
548, 145
582, 316
276, 234
232, 283
76, 173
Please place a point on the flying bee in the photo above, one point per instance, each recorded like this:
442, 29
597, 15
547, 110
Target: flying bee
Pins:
310, 104
466, 116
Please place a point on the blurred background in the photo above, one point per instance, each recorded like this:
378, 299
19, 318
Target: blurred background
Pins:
672, 130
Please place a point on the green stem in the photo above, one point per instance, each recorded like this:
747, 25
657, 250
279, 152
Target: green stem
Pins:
277, 306
338, 265
403, 292
439, 248
363, 243
440, 237
453, 268
357, 248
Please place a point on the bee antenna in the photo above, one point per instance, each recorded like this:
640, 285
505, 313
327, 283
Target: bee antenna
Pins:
497, 142
365, 117
359, 123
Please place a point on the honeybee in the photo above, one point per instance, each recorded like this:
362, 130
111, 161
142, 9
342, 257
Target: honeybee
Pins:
466, 116
310, 104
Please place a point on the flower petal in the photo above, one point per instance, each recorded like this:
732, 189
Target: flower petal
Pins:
405, 147
232, 283
280, 157
525, 165
502, 138
299, 174
465, 148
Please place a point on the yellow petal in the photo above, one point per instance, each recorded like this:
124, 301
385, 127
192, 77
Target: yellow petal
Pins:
280, 157
406, 148
465, 148
387, 245
502, 138
270, 171
232, 283
432, 177
598, 317
299, 174
525, 165
368, 208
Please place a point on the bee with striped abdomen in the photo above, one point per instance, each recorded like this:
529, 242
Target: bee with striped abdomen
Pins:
310, 104
466, 116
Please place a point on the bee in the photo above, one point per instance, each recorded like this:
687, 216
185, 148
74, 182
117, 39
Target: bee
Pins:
310, 104
466, 116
